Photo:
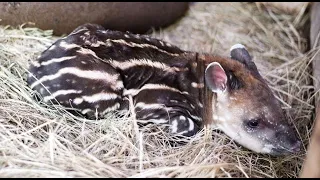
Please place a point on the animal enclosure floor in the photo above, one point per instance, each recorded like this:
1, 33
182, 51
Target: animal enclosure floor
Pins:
45, 141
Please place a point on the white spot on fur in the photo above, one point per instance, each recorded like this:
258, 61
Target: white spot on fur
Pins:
197, 85
52, 47
174, 126
83, 37
182, 118
191, 125
61, 92
194, 64
77, 101
174, 101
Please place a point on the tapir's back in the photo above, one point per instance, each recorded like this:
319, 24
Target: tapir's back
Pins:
94, 70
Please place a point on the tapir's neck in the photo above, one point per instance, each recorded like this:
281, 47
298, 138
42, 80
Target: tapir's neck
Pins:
207, 113
205, 94
208, 98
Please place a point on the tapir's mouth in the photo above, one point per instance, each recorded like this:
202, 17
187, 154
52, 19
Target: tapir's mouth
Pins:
281, 150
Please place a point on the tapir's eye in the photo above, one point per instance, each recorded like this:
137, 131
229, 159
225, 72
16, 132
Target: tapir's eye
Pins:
253, 123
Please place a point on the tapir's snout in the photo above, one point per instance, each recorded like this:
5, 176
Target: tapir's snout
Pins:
287, 143
296, 147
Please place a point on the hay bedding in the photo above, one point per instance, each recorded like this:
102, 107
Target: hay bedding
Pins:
45, 141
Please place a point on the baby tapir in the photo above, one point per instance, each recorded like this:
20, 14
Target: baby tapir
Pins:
95, 70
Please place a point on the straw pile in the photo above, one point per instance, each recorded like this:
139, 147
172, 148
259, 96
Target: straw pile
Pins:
45, 141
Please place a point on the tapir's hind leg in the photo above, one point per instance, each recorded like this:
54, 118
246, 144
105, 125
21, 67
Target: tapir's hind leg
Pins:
162, 106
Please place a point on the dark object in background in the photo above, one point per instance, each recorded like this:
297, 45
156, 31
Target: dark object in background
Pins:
63, 17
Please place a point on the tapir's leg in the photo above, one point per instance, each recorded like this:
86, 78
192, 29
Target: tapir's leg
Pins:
164, 106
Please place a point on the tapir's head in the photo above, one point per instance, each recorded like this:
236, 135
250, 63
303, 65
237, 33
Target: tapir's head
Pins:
245, 108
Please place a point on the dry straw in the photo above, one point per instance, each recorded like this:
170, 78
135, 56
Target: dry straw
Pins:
46, 141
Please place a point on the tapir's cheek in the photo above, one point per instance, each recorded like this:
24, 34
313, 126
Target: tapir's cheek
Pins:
261, 132
267, 135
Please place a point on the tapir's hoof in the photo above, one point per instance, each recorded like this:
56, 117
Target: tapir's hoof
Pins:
63, 17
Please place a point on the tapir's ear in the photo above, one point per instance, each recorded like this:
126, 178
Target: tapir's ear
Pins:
239, 53
215, 77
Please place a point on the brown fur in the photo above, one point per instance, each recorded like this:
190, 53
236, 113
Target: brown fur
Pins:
254, 93
240, 71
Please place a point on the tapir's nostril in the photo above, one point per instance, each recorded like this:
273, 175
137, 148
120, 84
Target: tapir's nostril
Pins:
296, 146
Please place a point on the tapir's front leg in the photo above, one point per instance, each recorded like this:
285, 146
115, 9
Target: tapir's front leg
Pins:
161, 104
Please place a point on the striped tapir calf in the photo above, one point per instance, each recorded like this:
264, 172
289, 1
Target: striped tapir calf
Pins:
95, 70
